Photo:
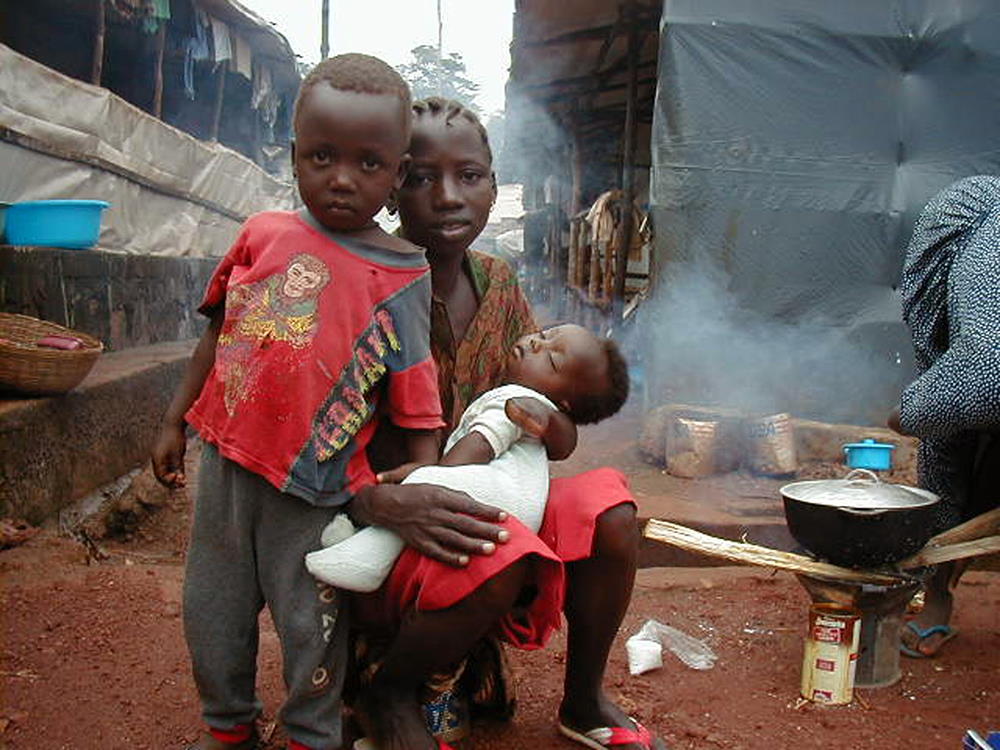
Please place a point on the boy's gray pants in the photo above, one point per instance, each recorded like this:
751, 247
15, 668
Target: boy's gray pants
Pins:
248, 543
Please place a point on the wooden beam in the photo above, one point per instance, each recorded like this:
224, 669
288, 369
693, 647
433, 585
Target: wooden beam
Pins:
595, 91
590, 79
637, 16
594, 32
628, 176
608, 41
220, 93
97, 64
161, 36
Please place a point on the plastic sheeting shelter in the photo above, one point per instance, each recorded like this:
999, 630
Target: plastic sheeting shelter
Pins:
793, 146
170, 193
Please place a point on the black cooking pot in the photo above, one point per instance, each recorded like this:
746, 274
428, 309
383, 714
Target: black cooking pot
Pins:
859, 521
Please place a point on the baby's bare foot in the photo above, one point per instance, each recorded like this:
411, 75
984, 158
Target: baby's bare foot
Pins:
530, 414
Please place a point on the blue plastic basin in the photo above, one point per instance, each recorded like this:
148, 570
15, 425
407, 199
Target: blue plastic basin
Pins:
71, 223
869, 455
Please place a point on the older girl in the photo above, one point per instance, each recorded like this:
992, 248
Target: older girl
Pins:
462, 574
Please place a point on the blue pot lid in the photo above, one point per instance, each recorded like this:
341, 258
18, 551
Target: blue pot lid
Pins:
869, 443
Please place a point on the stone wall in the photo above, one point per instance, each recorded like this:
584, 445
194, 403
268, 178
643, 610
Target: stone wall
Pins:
56, 450
124, 300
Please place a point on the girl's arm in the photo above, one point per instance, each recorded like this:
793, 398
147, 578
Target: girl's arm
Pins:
168, 449
422, 449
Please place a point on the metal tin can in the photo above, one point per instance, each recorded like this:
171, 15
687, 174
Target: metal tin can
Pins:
831, 654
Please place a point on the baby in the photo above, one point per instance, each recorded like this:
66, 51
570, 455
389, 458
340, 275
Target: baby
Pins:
567, 369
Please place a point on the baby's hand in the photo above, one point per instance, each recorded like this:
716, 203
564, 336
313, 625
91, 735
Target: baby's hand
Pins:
530, 414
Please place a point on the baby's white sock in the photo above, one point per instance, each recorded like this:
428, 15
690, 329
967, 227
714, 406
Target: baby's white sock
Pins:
359, 563
339, 529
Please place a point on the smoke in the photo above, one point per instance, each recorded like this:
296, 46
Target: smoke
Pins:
699, 345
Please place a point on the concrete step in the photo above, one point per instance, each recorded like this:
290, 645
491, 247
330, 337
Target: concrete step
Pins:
56, 450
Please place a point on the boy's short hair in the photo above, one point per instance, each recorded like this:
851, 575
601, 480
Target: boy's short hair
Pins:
437, 106
588, 408
354, 71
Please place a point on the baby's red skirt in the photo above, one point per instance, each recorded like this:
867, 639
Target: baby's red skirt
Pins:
567, 534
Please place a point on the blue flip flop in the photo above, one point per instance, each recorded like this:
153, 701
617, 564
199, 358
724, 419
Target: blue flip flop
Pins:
946, 631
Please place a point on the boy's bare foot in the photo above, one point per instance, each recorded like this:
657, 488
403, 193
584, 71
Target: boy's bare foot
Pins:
530, 414
583, 719
395, 720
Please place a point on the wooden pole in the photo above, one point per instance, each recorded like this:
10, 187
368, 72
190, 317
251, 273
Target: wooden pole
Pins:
628, 169
97, 66
161, 36
576, 199
220, 93
440, 51
324, 44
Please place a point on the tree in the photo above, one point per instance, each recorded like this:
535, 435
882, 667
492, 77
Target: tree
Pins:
450, 79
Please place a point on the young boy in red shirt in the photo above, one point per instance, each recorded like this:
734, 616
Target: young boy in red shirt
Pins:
317, 319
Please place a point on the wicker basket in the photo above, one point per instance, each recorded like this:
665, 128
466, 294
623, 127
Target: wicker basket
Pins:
39, 370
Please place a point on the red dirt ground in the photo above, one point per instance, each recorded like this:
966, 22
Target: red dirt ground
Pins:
92, 655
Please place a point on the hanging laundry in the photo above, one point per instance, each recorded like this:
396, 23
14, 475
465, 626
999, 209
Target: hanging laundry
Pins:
220, 41
242, 57
127, 9
196, 48
265, 99
263, 89
157, 13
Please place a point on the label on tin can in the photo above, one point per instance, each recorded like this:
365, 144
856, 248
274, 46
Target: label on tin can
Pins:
831, 654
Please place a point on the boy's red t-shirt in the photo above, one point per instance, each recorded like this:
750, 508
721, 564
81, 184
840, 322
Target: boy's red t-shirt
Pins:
318, 330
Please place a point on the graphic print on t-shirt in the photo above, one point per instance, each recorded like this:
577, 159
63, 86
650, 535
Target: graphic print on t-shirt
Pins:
346, 410
281, 307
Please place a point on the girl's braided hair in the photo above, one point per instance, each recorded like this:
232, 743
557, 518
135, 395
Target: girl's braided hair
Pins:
438, 106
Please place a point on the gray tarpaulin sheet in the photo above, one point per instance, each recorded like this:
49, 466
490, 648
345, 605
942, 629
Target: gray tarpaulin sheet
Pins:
794, 144
170, 193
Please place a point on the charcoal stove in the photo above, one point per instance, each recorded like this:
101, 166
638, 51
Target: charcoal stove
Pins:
882, 609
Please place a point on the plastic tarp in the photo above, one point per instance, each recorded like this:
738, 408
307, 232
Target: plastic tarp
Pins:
171, 193
793, 146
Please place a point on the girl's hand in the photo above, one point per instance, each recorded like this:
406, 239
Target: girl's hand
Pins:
168, 456
443, 524
397, 475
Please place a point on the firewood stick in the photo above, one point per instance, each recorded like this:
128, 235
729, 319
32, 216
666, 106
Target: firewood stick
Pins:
752, 554
982, 525
934, 554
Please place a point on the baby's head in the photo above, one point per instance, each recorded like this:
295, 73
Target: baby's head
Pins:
586, 376
352, 124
